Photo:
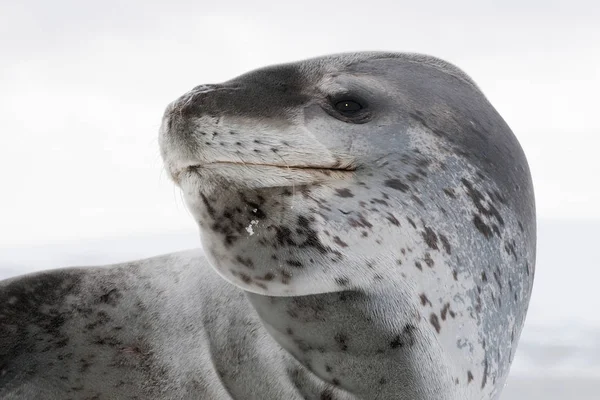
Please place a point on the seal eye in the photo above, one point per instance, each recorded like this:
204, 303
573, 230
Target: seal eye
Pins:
348, 107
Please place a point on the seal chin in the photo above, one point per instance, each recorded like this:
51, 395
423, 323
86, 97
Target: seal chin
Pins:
256, 176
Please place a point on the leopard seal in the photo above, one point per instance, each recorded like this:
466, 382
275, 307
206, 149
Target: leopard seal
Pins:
368, 225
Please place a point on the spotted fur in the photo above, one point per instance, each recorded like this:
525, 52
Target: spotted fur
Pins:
387, 254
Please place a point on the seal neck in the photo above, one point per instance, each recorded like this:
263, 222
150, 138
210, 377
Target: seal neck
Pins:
363, 343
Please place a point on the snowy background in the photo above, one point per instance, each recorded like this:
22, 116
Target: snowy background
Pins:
83, 86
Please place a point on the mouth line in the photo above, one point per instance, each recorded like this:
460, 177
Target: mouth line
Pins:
248, 164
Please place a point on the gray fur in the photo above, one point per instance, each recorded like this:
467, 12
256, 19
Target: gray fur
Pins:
386, 255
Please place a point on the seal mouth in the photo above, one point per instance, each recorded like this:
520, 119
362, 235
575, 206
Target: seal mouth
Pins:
244, 164
323, 171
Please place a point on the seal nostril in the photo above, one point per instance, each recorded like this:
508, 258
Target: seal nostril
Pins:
187, 105
204, 88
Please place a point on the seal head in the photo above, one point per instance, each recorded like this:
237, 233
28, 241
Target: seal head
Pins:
377, 210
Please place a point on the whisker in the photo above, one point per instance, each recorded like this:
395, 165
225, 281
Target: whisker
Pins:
293, 185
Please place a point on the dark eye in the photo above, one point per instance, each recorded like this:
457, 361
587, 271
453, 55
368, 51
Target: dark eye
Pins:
348, 107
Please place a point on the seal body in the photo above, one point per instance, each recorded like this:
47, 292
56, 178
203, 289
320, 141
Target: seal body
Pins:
371, 220
162, 328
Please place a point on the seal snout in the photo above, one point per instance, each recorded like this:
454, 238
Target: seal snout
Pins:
212, 133
185, 106
183, 136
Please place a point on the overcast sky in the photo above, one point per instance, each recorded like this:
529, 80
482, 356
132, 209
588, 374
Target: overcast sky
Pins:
83, 86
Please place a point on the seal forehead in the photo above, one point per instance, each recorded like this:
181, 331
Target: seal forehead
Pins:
301, 74
343, 61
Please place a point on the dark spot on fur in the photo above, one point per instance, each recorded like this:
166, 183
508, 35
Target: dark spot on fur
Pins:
283, 235
430, 238
339, 242
268, 277
444, 311
344, 193
342, 281
209, 207
417, 200
406, 338
478, 304
482, 227
428, 260
425, 300
497, 278
392, 219
450, 193
326, 395
247, 262
396, 184
107, 341
469, 376
303, 222
412, 177
445, 243
362, 222
110, 297
294, 263
433, 318
485, 373
396, 342
496, 230
342, 341
101, 319
261, 285
245, 278
285, 277
478, 200
379, 201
